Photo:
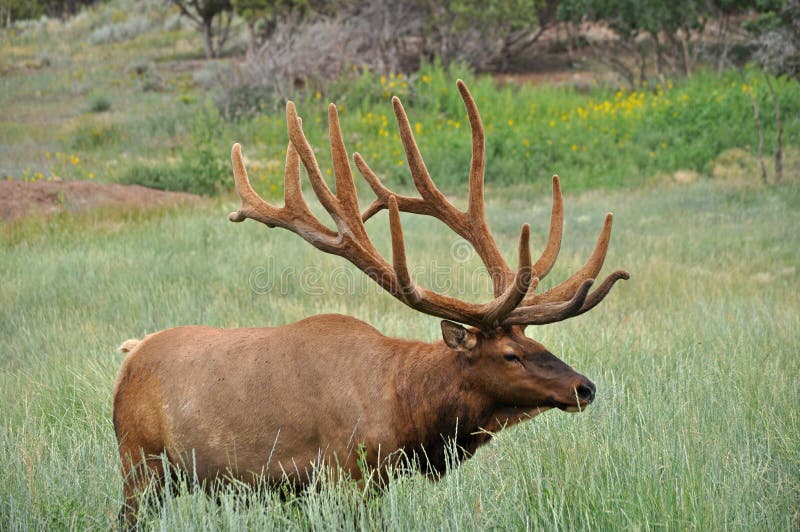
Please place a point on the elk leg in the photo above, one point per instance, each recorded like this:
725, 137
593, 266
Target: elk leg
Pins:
143, 481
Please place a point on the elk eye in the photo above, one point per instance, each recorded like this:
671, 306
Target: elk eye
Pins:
511, 357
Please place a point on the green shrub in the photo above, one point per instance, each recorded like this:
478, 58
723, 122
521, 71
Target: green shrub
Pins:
165, 177
93, 136
145, 74
246, 101
99, 103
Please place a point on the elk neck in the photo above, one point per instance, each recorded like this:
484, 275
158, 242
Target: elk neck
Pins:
437, 405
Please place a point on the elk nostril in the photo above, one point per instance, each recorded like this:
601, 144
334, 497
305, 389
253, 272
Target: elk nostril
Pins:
585, 391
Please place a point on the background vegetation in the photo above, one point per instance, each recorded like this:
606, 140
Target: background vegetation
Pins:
695, 357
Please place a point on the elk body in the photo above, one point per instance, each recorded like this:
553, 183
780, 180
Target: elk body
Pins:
278, 402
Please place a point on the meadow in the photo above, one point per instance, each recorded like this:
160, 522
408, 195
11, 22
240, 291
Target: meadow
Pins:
695, 358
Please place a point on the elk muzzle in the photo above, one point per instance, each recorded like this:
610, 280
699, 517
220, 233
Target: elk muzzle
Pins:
583, 391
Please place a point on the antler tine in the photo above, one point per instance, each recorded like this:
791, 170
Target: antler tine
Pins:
420, 299
477, 166
488, 315
589, 270
408, 290
404, 203
602, 291
345, 186
498, 309
295, 215
306, 152
419, 172
545, 263
550, 312
253, 206
470, 225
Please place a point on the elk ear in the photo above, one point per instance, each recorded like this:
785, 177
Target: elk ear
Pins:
458, 337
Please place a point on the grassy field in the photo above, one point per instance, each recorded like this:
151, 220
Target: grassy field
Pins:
695, 359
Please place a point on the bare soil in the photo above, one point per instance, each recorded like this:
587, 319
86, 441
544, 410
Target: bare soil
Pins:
44, 198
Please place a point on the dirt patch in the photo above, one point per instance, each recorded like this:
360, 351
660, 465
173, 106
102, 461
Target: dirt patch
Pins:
18, 199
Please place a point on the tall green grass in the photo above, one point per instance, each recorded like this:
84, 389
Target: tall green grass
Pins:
695, 358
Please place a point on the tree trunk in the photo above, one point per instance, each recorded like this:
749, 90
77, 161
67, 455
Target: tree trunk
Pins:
779, 130
726, 43
251, 40
760, 129
208, 39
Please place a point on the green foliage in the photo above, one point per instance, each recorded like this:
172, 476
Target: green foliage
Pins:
268, 12
13, 10
96, 135
263, 16
598, 139
630, 17
661, 37
99, 103
511, 15
146, 75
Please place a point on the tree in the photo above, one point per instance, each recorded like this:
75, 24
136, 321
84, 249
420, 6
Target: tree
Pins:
663, 26
776, 32
212, 18
487, 35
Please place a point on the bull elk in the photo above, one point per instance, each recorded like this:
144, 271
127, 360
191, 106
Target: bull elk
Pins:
276, 402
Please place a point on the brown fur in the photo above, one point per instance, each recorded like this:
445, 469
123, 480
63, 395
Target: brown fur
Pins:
242, 402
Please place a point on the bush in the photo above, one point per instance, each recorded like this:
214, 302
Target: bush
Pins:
99, 103
93, 136
122, 31
165, 177
145, 74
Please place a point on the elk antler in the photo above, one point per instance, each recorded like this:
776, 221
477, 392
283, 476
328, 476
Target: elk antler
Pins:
351, 241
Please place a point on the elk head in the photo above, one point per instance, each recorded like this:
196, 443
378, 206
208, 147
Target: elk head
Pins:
494, 352
517, 371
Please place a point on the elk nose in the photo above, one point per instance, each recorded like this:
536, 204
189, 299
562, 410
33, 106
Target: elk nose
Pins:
585, 389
